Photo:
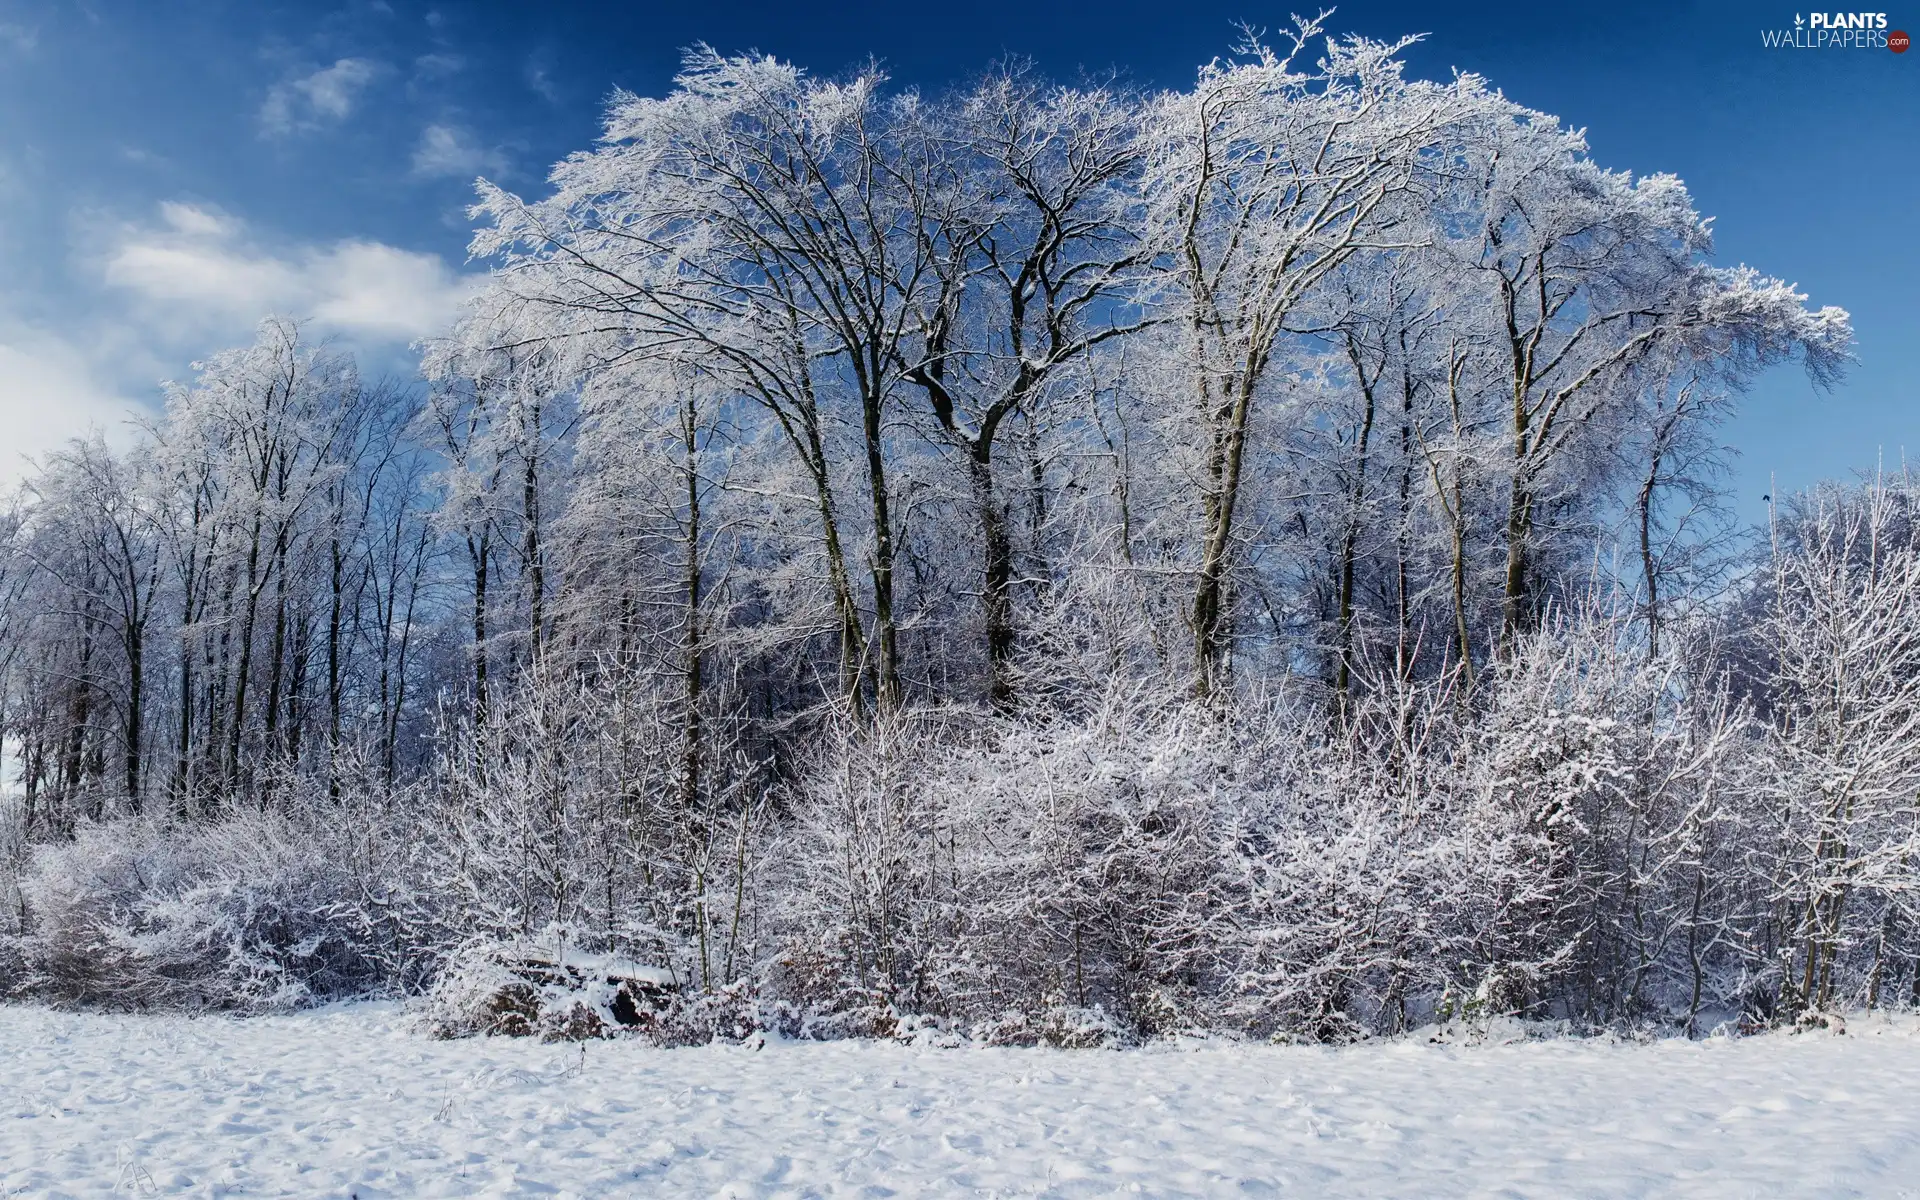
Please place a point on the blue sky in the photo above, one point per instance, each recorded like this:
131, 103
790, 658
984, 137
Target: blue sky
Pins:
170, 170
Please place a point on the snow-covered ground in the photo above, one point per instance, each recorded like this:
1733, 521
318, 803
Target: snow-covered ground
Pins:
348, 1101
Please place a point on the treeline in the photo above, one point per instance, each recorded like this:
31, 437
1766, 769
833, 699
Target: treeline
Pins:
1240, 557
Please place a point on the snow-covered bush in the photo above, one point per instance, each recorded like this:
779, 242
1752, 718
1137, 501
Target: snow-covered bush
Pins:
16, 851
545, 988
1345, 871
254, 911
572, 808
863, 904
475, 993
941, 867
1588, 834
1840, 832
1086, 862
1538, 849
1062, 1027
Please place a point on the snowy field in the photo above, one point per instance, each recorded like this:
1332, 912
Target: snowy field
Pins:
347, 1101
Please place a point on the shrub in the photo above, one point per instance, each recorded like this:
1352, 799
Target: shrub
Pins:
252, 912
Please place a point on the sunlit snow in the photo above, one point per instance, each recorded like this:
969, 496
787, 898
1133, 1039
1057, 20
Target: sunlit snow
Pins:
349, 1101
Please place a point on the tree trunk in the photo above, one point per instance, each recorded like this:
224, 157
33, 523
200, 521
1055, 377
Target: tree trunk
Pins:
479, 554
996, 597
531, 550
691, 648
136, 710
1343, 671
886, 665
1211, 638
255, 585
1644, 505
336, 610
1516, 614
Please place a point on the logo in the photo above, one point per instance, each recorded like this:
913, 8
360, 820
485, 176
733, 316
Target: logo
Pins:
1836, 31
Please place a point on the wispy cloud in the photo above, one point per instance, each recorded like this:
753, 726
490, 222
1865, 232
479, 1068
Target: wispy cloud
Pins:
195, 221
14, 36
539, 77
451, 151
142, 156
323, 97
438, 66
202, 268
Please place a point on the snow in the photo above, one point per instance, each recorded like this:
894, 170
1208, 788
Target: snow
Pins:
609, 966
350, 1101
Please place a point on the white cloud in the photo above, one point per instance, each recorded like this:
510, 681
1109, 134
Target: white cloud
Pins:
196, 221
373, 288
188, 281
199, 271
448, 150
540, 80
20, 37
50, 392
327, 95
438, 66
